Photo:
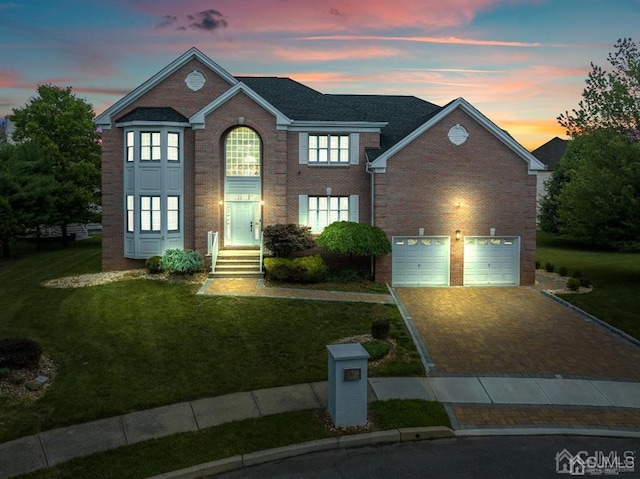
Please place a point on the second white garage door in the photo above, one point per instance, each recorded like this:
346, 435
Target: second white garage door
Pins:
491, 260
420, 261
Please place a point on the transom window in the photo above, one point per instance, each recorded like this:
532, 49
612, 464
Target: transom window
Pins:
327, 149
150, 145
242, 152
324, 210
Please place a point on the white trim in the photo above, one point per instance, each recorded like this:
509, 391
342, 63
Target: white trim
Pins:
337, 126
197, 120
153, 124
534, 164
104, 119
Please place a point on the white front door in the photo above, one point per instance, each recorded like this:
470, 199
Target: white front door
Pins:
242, 223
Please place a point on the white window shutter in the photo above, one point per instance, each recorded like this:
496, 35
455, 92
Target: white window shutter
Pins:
303, 210
303, 148
354, 206
354, 149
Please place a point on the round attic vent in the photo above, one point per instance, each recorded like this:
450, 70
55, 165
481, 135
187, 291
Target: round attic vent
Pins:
195, 80
458, 135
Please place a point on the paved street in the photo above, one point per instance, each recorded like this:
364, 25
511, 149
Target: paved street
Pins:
474, 457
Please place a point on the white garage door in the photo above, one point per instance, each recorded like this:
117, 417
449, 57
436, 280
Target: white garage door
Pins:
491, 260
420, 261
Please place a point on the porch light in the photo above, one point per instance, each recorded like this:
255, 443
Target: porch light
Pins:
220, 202
457, 235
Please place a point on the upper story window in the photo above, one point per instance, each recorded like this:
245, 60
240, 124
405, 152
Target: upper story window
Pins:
242, 152
150, 145
173, 146
131, 145
329, 149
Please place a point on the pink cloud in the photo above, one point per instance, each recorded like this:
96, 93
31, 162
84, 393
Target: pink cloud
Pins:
9, 79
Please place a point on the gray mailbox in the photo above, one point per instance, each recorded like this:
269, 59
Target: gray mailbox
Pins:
348, 384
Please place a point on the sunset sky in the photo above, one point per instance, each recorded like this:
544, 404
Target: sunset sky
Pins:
520, 62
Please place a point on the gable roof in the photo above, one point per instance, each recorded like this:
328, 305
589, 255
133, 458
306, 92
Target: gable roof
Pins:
104, 119
551, 152
380, 163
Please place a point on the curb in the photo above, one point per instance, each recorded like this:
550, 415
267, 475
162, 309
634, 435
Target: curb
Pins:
279, 453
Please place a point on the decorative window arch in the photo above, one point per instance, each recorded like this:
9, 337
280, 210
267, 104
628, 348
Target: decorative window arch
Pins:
243, 151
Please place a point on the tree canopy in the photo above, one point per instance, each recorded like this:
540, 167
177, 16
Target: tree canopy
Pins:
611, 98
57, 157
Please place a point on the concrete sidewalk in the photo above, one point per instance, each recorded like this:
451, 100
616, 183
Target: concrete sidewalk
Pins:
59, 445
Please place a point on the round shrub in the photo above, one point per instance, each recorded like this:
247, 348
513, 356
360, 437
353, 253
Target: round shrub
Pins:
537, 264
563, 271
573, 284
584, 282
576, 274
380, 329
377, 349
548, 266
153, 264
179, 261
19, 353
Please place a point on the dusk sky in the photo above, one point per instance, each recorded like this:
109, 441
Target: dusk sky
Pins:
520, 62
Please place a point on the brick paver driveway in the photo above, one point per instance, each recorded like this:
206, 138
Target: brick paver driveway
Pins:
514, 331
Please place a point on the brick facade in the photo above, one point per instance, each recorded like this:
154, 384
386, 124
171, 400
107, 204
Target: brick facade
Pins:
430, 183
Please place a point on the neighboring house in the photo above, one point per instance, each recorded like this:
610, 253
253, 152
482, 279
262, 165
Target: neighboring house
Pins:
549, 155
6, 129
195, 150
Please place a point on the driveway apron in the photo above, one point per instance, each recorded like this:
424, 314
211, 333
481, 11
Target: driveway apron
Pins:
514, 331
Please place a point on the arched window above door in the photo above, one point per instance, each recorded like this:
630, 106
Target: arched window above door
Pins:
242, 152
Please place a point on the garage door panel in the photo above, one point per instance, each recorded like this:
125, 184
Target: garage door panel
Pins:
420, 261
491, 261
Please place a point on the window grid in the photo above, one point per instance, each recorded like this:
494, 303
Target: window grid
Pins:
150, 146
328, 149
173, 213
324, 210
242, 152
173, 147
130, 214
130, 145
150, 214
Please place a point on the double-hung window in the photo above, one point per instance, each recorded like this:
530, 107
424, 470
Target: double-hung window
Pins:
150, 214
150, 146
173, 146
329, 149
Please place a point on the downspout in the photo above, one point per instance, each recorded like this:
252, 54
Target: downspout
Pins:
372, 266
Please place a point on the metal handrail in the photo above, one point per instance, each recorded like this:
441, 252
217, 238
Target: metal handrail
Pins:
261, 249
212, 248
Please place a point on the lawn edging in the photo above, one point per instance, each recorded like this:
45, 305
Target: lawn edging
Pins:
340, 442
635, 342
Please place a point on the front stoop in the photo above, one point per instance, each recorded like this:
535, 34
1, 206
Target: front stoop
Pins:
237, 263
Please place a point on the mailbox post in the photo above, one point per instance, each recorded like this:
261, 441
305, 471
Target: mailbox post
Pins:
348, 384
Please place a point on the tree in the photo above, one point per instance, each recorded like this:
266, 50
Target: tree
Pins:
595, 193
359, 239
8, 225
611, 99
61, 127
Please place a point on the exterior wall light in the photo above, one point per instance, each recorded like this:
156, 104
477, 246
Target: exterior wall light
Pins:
457, 235
220, 202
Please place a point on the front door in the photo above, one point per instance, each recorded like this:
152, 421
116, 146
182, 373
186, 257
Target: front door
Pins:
242, 223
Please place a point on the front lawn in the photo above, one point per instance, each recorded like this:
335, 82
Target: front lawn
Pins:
615, 278
140, 343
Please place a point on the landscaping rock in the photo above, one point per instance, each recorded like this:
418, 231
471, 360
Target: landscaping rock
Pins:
33, 385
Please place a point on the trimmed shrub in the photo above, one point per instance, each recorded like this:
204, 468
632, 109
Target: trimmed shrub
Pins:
573, 284
179, 261
537, 264
19, 352
285, 239
4, 372
584, 282
563, 271
548, 266
576, 274
306, 269
377, 349
153, 264
380, 329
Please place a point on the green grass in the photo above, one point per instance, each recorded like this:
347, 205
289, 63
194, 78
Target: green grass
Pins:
183, 450
138, 344
615, 277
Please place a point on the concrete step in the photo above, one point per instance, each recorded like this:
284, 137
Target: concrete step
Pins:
236, 274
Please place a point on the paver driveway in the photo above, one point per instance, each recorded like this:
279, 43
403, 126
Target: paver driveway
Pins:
517, 330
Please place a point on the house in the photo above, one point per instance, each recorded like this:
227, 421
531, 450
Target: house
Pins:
549, 155
195, 150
